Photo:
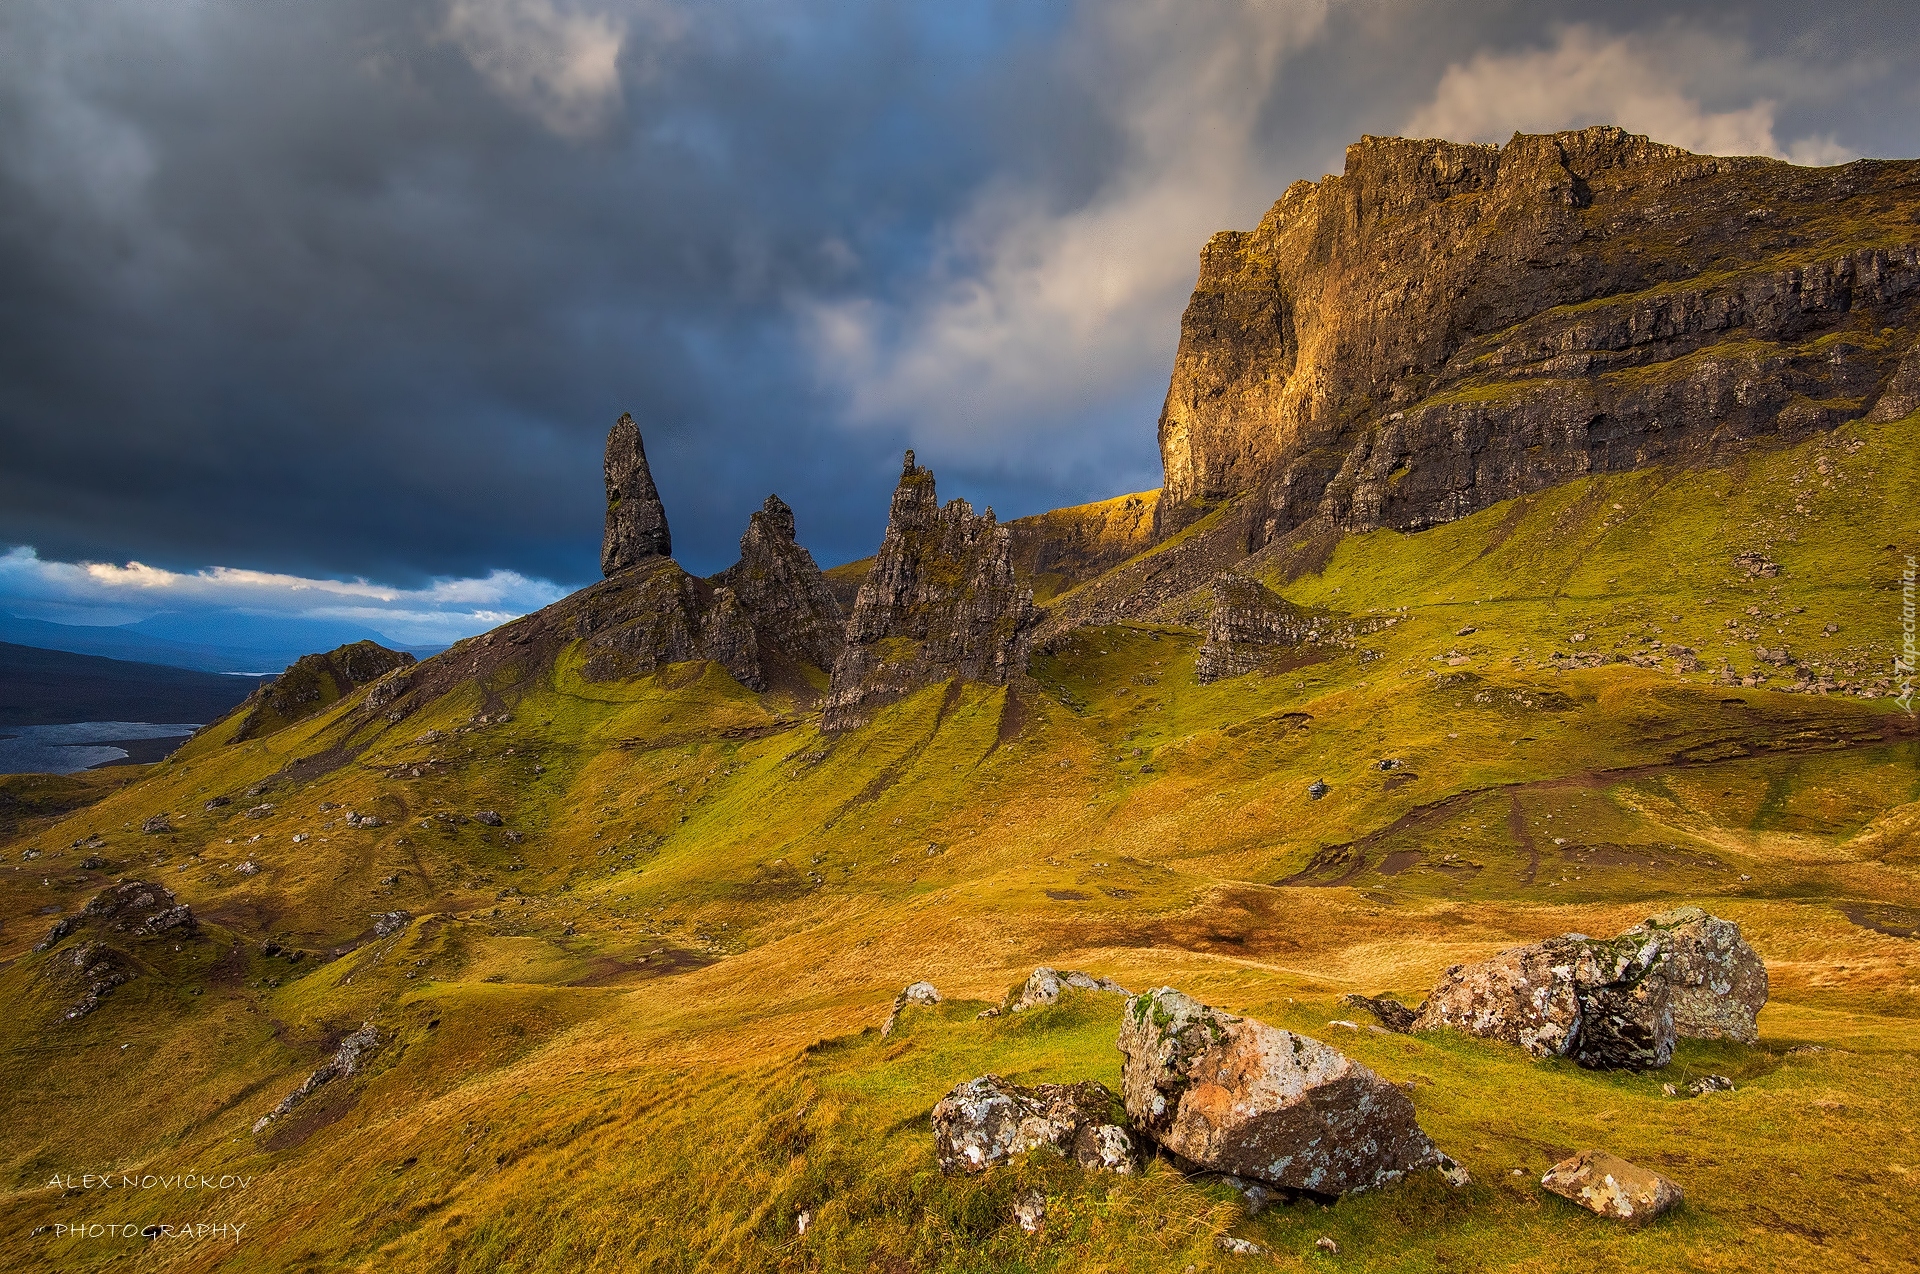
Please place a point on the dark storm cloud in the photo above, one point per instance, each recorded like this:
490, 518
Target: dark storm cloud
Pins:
357, 288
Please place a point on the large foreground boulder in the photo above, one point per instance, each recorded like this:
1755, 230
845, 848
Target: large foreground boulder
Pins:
1607, 1185
986, 1121
1611, 1004
1230, 1094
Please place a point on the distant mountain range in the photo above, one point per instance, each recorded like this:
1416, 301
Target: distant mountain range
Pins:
227, 641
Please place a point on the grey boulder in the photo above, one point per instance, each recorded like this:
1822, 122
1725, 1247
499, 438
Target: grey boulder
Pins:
986, 1121
1610, 1004
1229, 1094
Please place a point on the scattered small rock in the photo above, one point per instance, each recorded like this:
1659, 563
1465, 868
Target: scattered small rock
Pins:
248, 868
921, 993
157, 825
1609, 1186
216, 802
1045, 985
93, 862
1238, 1247
261, 811
1390, 1013
1030, 1211
1327, 1245
1317, 789
489, 817
1467, 631
1710, 1084
388, 923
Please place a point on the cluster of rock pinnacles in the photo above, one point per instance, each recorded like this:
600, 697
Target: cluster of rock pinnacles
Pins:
1281, 1115
773, 608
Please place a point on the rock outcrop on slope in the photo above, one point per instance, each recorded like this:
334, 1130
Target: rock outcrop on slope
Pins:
941, 601
1445, 326
636, 520
783, 593
1250, 627
313, 682
1230, 1094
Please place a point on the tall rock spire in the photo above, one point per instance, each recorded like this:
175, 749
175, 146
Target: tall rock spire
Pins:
636, 521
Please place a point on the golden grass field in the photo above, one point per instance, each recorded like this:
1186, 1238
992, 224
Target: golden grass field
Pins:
645, 1035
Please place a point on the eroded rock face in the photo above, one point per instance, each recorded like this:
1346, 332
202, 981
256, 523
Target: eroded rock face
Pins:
636, 520
1719, 983
1045, 985
1250, 627
940, 602
783, 594
986, 1121
1900, 397
1230, 1094
1607, 1185
347, 1060
1445, 326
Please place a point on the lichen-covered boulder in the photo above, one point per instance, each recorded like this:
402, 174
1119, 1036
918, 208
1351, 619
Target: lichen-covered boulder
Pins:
1524, 996
1230, 1094
1719, 983
1613, 1003
1602, 1003
1609, 1186
1045, 985
986, 1121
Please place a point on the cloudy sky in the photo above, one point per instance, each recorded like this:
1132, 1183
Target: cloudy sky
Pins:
327, 308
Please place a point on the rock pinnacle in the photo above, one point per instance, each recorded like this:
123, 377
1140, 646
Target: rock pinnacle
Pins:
636, 522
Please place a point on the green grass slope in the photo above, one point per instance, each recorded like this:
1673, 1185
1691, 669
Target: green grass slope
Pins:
634, 1025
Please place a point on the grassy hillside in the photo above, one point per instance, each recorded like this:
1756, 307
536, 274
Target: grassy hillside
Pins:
635, 1025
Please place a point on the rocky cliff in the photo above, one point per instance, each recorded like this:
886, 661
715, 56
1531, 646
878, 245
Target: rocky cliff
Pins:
636, 521
940, 601
1445, 326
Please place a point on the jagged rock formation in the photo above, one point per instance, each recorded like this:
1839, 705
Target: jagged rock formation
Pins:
1445, 326
636, 521
782, 592
760, 619
1251, 626
940, 601
313, 682
87, 971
